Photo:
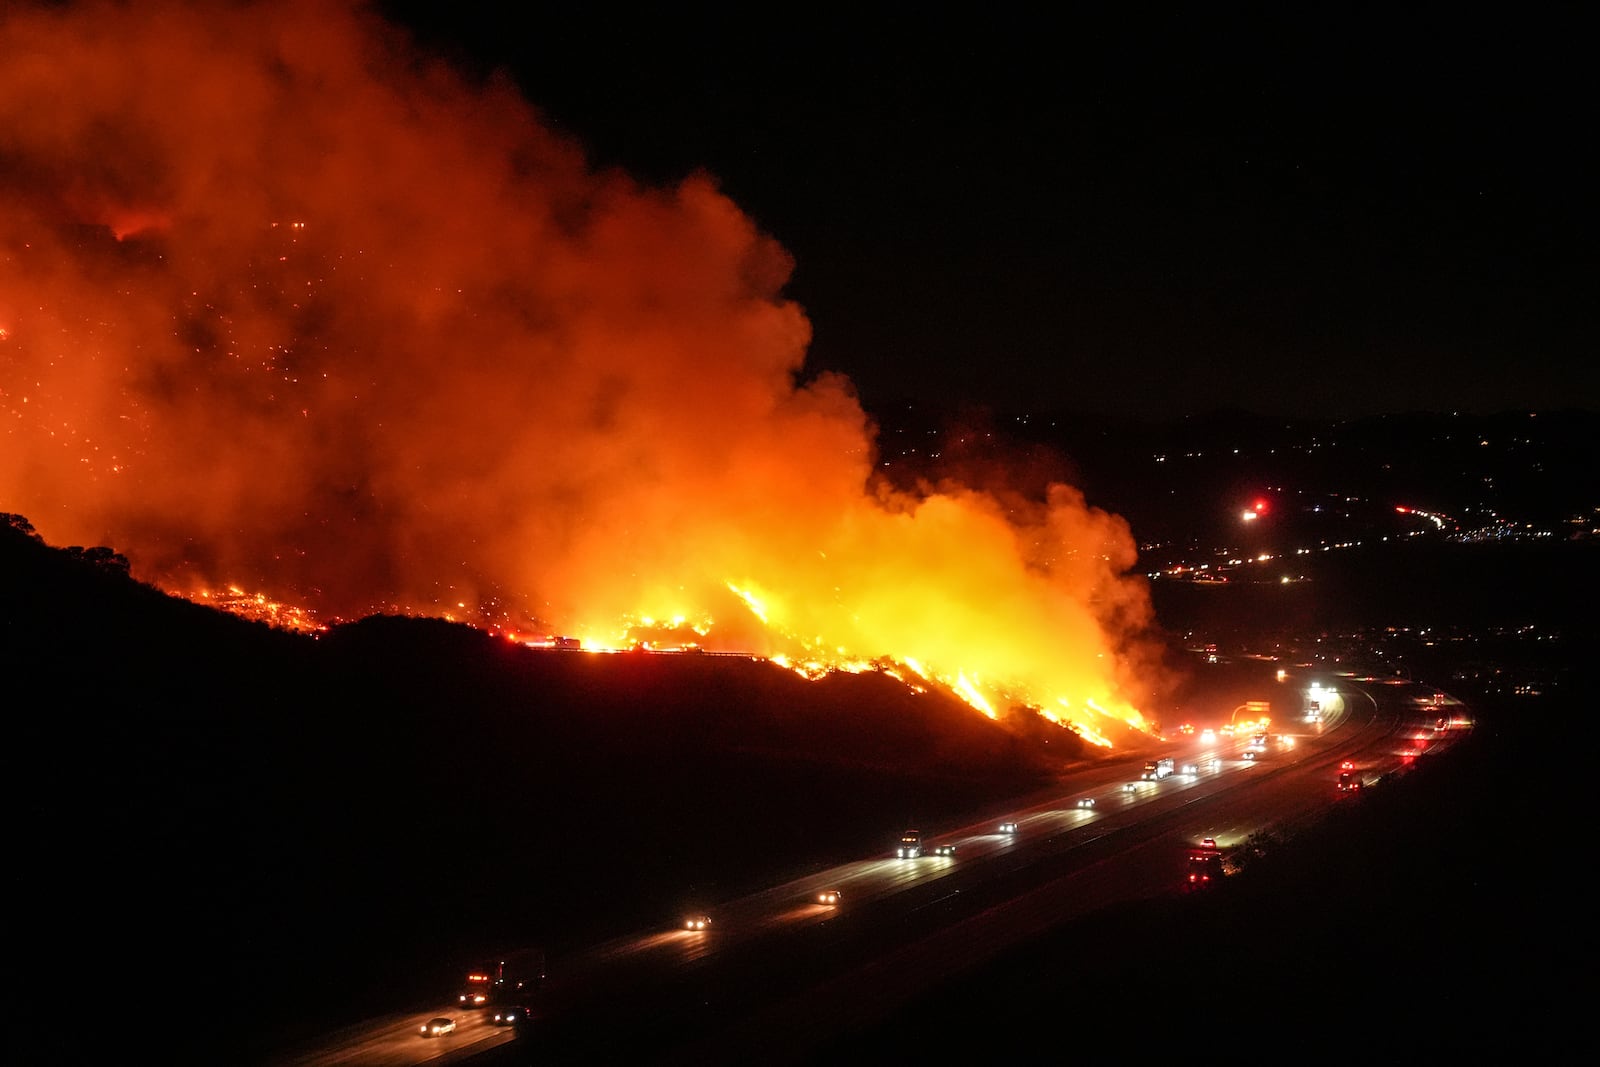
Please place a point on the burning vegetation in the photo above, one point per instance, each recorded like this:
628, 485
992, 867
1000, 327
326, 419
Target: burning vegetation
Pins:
288, 306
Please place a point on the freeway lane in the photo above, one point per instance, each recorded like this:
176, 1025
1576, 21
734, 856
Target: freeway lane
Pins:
778, 970
1146, 861
397, 1041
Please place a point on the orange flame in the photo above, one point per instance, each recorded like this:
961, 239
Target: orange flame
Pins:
290, 304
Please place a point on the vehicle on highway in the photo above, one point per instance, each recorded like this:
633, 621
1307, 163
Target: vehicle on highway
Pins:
912, 846
436, 1027
478, 986
831, 897
1349, 782
697, 921
1208, 737
1190, 769
504, 979
1203, 868
1157, 769
512, 1015
1086, 802
1008, 827
1251, 754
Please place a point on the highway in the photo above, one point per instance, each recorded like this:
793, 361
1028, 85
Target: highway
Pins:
777, 970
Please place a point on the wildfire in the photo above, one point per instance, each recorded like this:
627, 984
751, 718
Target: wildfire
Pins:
257, 607
473, 377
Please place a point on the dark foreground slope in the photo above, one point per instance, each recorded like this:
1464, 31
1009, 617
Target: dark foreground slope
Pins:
269, 833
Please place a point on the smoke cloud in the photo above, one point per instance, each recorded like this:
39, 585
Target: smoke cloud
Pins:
287, 304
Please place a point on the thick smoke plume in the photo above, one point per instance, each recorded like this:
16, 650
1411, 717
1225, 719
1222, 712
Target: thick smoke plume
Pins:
285, 304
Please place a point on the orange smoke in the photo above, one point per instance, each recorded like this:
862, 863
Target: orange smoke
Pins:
289, 306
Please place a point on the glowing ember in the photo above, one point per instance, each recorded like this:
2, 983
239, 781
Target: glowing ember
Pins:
260, 609
281, 298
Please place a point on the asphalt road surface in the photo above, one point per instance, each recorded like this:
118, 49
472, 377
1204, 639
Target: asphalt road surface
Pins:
777, 974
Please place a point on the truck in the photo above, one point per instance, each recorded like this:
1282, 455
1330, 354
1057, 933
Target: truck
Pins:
913, 844
1157, 769
510, 978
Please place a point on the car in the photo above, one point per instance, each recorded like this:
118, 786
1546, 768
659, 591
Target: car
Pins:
1086, 802
1250, 754
697, 921
1190, 769
1347, 765
436, 1027
831, 897
1204, 870
1130, 787
1349, 782
1208, 736
475, 997
512, 1015
1209, 842
1008, 827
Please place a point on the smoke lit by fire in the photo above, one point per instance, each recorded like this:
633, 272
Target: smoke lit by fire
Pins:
287, 306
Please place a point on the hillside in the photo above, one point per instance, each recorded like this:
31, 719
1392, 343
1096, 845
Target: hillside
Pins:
219, 814
332, 825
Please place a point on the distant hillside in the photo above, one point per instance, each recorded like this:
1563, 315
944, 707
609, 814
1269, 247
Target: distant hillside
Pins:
244, 811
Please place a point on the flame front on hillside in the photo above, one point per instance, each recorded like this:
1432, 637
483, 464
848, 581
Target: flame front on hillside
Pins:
286, 304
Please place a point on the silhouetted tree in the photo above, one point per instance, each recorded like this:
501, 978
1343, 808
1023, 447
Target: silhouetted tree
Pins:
20, 524
101, 558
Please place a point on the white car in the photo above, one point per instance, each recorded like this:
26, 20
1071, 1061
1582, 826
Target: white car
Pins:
436, 1027
1008, 827
697, 922
1086, 802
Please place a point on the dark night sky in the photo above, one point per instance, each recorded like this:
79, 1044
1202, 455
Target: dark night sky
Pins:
1334, 212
